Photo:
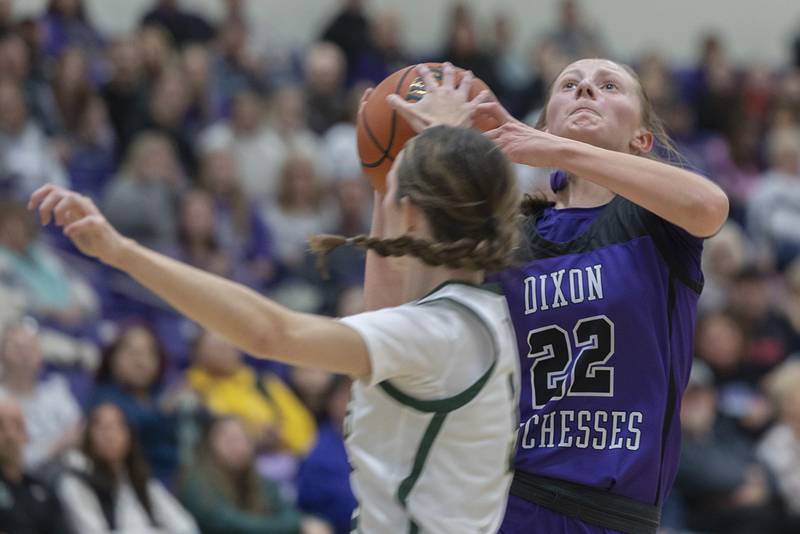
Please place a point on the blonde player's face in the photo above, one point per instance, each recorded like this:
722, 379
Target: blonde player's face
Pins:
596, 101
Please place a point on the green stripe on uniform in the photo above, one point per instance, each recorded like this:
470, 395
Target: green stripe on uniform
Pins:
419, 460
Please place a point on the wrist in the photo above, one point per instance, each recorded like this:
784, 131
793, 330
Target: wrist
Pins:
120, 255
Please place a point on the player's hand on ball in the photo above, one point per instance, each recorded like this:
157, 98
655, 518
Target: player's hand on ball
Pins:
442, 103
82, 221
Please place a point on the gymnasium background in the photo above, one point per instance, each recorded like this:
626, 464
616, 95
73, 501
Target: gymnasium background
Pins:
221, 132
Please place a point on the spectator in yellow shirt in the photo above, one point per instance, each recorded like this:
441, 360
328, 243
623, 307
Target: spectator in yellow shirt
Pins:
269, 409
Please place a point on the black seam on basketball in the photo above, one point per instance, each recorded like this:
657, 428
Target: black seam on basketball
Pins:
386, 151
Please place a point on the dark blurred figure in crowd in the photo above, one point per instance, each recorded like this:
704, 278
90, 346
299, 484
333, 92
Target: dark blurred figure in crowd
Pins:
109, 488
235, 67
125, 93
770, 335
723, 487
461, 48
131, 376
184, 26
326, 99
574, 36
90, 156
350, 31
723, 345
226, 494
239, 228
324, 477
66, 25
385, 53
27, 505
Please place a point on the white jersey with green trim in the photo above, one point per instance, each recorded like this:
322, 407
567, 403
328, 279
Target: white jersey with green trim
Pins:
432, 432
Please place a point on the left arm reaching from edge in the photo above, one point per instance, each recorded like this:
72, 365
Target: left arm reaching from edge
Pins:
681, 197
252, 322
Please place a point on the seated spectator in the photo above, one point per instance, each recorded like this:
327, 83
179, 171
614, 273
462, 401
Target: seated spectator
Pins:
723, 486
774, 209
323, 484
168, 113
52, 416
109, 488
141, 199
724, 257
260, 148
722, 344
227, 386
125, 93
26, 159
239, 226
235, 66
197, 241
90, 155
130, 376
312, 386
52, 293
754, 304
157, 52
226, 494
326, 99
183, 26
71, 90
299, 212
26, 504
779, 449
204, 105
65, 24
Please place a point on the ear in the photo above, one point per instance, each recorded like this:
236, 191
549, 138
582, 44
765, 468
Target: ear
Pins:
642, 142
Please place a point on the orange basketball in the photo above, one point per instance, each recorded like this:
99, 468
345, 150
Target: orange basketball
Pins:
382, 132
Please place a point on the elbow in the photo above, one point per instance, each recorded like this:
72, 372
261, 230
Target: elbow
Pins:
710, 214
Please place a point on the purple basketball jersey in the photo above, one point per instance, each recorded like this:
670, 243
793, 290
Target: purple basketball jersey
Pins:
604, 312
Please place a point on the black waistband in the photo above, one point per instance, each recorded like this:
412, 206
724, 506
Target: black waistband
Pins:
591, 505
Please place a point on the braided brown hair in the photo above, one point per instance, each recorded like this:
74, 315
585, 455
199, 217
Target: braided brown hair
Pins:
465, 186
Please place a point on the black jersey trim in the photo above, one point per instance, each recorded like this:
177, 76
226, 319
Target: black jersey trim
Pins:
635, 222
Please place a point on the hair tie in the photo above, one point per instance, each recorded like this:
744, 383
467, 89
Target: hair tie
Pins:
558, 180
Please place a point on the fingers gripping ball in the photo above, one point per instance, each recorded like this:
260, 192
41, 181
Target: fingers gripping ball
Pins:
381, 132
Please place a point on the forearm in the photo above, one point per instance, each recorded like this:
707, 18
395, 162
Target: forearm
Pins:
234, 311
250, 321
683, 198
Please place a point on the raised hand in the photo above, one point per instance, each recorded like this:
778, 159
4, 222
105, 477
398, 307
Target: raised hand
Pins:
520, 142
82, 222
442, 103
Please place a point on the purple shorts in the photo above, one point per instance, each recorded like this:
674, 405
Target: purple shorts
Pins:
523, 517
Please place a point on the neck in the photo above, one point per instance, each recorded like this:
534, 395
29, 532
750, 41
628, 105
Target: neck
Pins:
422, 279
581, 193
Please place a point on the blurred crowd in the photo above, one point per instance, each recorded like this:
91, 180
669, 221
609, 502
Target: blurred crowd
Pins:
200, 141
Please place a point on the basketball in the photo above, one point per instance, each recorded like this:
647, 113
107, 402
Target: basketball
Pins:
382, 132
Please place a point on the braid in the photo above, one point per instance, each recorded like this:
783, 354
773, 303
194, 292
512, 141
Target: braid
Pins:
466, 253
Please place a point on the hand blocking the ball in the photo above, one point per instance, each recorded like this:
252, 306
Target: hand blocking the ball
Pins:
443, 103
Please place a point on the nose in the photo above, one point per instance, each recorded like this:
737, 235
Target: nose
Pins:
585, 89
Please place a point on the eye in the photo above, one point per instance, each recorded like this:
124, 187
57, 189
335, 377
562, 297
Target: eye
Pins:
610, 86
569, 84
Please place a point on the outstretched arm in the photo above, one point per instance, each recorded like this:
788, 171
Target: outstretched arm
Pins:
683, 198
252, 322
